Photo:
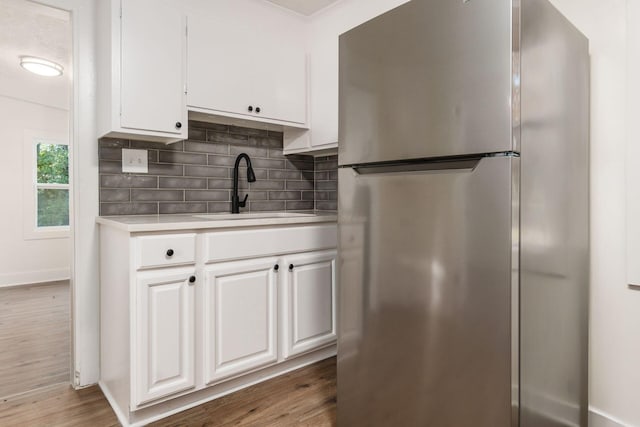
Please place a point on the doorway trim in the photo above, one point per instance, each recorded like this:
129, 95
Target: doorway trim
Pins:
84, 281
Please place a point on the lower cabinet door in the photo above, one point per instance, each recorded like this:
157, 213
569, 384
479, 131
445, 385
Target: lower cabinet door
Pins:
239, 317
309, 317
164, 334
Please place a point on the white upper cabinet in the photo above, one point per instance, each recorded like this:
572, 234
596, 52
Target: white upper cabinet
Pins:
141, 70
248, 64
212, 53
152, 86
240, 59
323, 32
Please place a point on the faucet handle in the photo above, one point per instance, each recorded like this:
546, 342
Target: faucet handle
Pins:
243, 203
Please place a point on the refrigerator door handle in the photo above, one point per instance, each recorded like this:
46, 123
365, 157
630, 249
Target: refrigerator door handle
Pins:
457, 165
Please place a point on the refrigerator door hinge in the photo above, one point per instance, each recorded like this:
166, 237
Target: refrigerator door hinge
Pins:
76, 378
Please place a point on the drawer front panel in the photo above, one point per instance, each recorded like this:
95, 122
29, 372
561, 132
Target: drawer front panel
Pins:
165, 250
239, 244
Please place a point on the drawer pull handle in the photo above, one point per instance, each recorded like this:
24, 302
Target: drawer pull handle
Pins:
192, 279
290, 267
170, 252
276, 267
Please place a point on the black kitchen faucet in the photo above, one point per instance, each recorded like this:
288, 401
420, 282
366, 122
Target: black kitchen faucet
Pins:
236, 204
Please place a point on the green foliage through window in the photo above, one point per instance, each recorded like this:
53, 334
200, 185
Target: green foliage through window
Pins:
53, 163
52, 185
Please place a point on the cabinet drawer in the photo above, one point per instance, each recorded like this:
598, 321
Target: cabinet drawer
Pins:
165, 250
239, 244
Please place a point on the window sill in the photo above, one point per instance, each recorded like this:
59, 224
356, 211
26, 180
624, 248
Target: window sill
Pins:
47, 233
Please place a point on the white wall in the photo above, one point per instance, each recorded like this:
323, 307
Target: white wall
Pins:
41, 104
23, 260
615, 309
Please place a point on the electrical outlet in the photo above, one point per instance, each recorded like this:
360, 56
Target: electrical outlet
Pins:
135, 161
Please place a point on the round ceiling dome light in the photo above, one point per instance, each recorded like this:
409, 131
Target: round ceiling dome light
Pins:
41, 67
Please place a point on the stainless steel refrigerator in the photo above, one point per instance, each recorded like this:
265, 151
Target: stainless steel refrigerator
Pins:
463, 217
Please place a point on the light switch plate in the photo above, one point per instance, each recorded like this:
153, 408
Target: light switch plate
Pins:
135, 161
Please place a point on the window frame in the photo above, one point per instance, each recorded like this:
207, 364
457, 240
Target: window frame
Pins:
31, 229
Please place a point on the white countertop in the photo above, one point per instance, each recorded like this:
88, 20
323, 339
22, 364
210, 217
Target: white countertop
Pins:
139, 223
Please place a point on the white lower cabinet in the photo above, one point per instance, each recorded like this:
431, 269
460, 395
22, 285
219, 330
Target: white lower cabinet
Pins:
240, 317
164, 334
309, 317
187, 317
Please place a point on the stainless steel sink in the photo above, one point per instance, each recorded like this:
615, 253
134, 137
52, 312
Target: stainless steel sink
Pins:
261, 215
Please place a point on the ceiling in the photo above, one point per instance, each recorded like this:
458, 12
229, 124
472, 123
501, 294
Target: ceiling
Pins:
28, 28
305, 7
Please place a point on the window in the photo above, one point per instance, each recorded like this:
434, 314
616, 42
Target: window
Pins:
52, 184
46, 185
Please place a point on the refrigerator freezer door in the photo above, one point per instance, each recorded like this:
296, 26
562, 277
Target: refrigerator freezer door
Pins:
426, 296
427, 79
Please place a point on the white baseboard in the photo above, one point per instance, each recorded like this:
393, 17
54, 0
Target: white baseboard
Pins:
598, 418
31, 277
122, 417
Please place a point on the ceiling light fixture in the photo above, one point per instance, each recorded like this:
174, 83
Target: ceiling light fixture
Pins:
40, 66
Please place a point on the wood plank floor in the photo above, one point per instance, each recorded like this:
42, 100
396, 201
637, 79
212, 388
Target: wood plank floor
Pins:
58, 405
306, 397
34, 336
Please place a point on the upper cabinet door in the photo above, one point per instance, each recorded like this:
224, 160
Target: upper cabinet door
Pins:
152, 68
221, 71
282, 81
235, 69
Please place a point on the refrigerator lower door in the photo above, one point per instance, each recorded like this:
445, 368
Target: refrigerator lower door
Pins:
427, 295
